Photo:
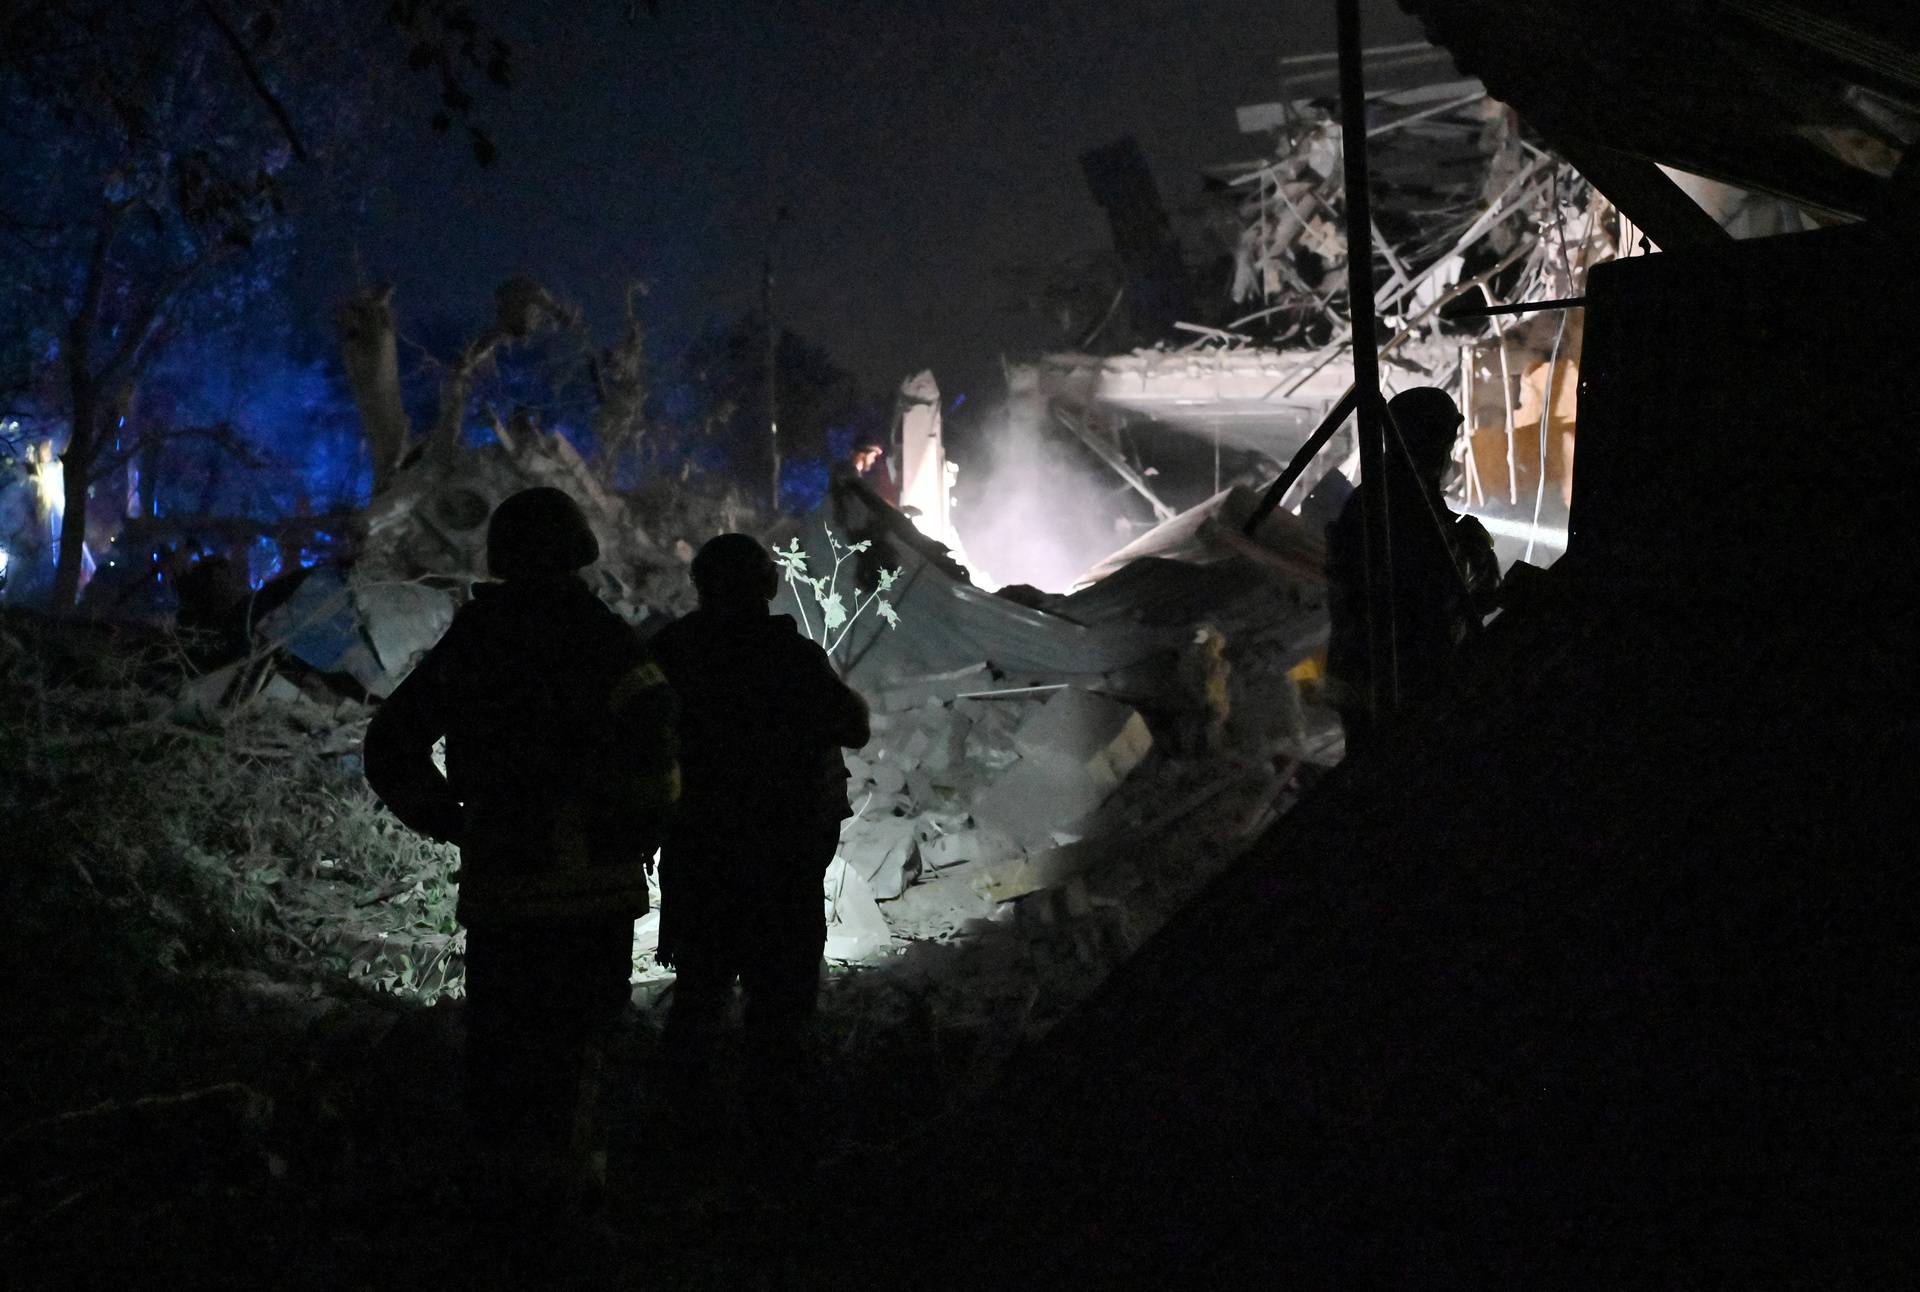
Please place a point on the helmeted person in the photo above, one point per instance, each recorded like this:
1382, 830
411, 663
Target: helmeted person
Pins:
763, 719
1433, 614
560, 773
869, 464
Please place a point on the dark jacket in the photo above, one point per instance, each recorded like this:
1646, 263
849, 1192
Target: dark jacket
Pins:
560, 754
763, 717
1432, 616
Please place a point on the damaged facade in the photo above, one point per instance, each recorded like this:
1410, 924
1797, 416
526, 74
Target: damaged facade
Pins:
1469, 213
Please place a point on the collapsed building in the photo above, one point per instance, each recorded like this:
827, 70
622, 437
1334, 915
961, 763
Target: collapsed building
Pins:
1470, 214
1483, 237
1033, 751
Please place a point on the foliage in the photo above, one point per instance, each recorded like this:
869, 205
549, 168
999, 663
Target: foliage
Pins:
183, 839
150, 142
836, 620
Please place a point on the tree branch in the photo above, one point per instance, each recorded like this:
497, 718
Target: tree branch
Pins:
137, 349
252, 70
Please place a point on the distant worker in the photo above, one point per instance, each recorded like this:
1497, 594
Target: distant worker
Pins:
763, 718
870, 465
560, 761
1433, 614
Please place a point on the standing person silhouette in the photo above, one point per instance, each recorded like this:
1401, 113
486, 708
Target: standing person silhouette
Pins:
763, 719
1433, 615
561, 769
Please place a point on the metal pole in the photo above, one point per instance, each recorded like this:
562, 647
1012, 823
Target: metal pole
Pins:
1383, 670
1302, 459
773, 366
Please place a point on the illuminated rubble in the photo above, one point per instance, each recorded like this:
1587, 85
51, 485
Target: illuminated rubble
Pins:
1064, 767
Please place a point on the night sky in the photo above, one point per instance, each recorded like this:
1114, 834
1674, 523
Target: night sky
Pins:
920, 147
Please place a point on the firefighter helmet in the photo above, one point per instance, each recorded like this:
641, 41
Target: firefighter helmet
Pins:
539, 531
734, 568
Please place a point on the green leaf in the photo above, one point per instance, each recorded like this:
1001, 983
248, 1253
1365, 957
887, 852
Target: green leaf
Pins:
888, 578
886, 611
833, 611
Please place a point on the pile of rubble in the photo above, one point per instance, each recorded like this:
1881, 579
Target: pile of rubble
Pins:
1088, 731
422, 544
1021, 752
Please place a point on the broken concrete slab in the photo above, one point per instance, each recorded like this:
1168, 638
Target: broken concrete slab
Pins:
914, 749
991, 724
856, 930
1094, 730
401, 620
1073, 754
884, 851
318, 627
209, 691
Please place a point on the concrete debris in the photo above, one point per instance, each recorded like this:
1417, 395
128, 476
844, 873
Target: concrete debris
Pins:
856, 930
941, 905
940, 851
883, 851
1073, 753
420, 546
402, 621
431, 523
318, 627
1034, 871
1048, 779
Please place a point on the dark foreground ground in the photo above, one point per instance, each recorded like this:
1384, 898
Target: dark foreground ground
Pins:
233, 1040
1599, 974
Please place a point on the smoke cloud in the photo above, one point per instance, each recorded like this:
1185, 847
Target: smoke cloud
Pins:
1030, 511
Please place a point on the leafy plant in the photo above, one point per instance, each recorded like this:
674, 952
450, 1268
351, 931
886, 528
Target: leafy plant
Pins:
836, 621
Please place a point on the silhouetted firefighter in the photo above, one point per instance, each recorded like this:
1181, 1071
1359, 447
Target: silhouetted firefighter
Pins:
763, 720
1445, 575
560, 761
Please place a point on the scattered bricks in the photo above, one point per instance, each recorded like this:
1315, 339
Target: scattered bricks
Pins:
859, 770
920, 787
883, 851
